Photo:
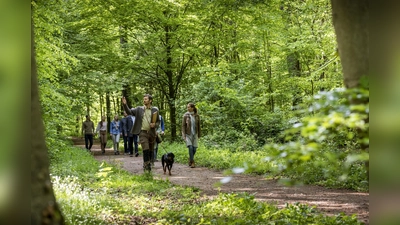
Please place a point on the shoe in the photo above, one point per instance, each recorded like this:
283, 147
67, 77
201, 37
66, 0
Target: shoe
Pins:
103, 153
192, 165
137, 154
130, 155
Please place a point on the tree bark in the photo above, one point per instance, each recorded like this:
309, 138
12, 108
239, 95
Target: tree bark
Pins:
350, 20
44, 208
108, 110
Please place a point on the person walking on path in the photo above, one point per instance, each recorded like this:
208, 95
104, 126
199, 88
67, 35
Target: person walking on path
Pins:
102, 130
146, 122
88, 130
191, 131
115, 132
124, 124
160, 132
126, 128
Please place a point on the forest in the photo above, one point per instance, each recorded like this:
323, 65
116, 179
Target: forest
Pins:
281, 86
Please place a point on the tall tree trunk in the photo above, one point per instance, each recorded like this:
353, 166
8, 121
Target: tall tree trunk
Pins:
351, 20
126, 92
108, 109
171, 87
101, 105
44, 208
267, 57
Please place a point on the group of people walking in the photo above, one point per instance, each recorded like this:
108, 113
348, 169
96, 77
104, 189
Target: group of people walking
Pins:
143, 124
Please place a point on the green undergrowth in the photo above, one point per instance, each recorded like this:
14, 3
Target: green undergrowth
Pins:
255, 162
92, 192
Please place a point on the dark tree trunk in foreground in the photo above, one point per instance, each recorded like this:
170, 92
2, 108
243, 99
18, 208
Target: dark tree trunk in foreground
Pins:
351, 20
44, 208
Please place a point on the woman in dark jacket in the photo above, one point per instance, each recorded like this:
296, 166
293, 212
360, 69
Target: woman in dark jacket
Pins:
191, 131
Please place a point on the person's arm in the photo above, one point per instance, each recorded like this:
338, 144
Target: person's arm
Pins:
129, 111
111, 127
183, 128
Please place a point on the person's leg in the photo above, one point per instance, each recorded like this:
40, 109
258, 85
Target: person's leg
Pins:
194, 151
155, 151
135, 140
104, 141
114, 137
144, 142
130, 145
152, 140
191, 155
90, 136
117, 140
126, 146
86, 141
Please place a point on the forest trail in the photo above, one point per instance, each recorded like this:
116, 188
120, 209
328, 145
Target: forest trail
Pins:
328, 201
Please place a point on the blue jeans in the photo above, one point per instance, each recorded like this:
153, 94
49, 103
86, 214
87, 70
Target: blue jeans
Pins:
88, 138
115, 138
192, 152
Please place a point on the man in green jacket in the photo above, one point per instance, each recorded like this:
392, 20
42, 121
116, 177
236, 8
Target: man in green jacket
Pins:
146, 123
88, 130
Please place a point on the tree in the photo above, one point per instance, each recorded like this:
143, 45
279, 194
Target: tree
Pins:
350, 19
44, 208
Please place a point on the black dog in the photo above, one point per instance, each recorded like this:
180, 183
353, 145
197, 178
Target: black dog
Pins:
167, 161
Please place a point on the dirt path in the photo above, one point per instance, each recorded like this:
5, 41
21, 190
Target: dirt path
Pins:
329, 201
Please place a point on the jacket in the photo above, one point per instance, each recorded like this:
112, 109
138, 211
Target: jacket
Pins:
115, 127
187, 124
127, 125
138, 112
88, 127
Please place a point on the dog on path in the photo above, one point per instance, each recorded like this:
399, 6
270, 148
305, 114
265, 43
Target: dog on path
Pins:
167, 161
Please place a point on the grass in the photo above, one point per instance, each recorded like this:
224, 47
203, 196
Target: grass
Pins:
90, 192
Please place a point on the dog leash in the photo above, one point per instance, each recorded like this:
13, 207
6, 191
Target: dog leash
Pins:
162, 148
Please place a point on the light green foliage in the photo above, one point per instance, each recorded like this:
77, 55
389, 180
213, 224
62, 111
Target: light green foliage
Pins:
233, 59
218, 158
118, 197
326, 146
